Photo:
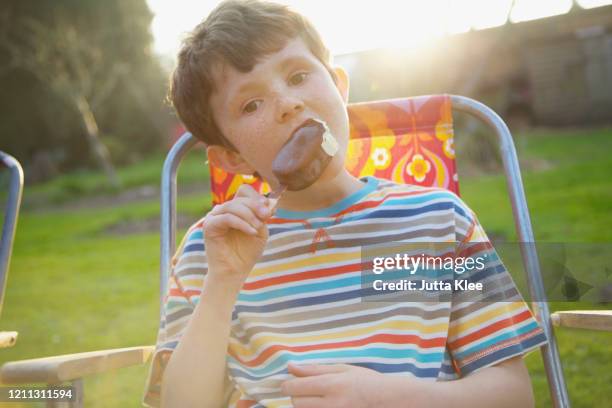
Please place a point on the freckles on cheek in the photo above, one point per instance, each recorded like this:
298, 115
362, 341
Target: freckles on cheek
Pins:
255, 141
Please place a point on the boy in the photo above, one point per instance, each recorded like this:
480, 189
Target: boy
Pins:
253, 291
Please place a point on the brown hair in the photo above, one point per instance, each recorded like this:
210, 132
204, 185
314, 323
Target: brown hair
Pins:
240, 33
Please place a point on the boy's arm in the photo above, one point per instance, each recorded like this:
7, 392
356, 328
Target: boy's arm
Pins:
235, 234
195, 374
506, 384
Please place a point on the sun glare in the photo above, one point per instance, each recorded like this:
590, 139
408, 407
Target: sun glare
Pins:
351, 26
588, 4
391, 24
525, 10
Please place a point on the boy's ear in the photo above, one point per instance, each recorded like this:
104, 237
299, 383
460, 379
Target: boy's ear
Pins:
228, 160
343, 82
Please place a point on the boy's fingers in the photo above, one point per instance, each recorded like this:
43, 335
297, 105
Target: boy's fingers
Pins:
259, 209
259, 206
222, 222
307, 402
242, 209
247, 191
309, 386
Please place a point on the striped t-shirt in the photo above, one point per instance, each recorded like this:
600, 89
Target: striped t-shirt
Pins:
304, 302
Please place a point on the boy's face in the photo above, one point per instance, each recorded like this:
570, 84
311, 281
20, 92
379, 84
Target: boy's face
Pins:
258, 111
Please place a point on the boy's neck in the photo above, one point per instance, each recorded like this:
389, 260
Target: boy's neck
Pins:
322, 194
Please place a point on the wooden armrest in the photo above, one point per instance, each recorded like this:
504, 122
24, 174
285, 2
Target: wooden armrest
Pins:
8, 339
58, 369
584, 319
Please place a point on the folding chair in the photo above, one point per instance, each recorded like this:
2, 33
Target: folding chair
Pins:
385, 135
407, 140
11, 212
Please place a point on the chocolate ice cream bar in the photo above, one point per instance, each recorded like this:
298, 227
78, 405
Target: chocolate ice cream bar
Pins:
304, 157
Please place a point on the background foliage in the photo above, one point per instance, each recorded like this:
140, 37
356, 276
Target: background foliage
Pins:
39, 127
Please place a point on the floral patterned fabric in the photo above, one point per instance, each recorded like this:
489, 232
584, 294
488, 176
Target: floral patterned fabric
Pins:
407, 140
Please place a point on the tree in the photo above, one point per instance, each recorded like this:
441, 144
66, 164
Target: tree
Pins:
80, 75
58, 57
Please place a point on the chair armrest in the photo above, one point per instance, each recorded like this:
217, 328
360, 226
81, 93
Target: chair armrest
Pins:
584, 319
58, 369
8, 339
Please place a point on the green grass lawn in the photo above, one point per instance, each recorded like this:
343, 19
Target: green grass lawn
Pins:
75, 287
569, 202
89, 183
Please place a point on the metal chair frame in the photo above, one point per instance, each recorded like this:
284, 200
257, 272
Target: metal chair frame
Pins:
522, 222
11, 214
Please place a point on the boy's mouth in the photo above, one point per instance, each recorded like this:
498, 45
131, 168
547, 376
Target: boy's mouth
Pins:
328, 144
306, 123
304, 157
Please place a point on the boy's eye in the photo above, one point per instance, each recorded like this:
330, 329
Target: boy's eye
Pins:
297, 78
251, 106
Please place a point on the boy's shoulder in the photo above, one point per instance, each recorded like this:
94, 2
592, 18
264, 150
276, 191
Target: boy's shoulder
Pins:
193, 241
411, 199
388, 189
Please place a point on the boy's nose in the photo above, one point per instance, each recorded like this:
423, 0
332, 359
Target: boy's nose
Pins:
287, 108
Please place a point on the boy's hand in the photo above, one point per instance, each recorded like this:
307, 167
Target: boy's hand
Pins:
337, 386
235, 234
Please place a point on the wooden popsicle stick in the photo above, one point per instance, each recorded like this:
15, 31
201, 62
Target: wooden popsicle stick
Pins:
274, 196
